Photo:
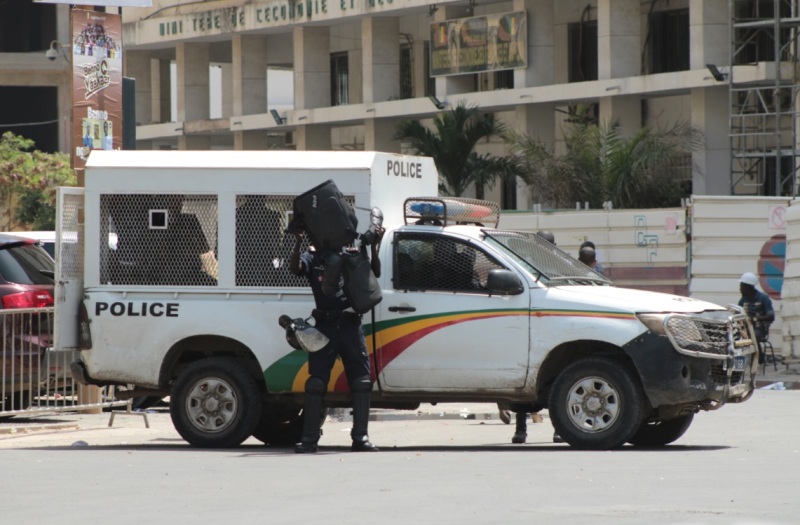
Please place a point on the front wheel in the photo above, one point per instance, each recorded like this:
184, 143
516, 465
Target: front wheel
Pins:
215, 403
660, 433
596, 404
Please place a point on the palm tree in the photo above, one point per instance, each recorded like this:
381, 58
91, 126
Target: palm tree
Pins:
646, 170
452, 145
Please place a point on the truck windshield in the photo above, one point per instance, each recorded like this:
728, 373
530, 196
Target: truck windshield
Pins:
544, 260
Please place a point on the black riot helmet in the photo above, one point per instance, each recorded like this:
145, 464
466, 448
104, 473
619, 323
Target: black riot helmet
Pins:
547, 235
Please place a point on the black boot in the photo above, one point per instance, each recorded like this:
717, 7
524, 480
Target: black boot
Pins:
521, 433
312, 423
360, 420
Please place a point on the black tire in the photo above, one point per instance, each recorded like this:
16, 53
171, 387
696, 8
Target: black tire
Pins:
596, 404
282, 425
660, 433
215, 403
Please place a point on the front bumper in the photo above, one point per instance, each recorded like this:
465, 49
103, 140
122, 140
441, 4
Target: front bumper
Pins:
672, 378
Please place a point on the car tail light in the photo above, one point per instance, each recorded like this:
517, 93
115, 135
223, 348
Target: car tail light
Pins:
29, 299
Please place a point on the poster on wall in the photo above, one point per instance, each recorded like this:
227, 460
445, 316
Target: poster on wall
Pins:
479, 43
96, 83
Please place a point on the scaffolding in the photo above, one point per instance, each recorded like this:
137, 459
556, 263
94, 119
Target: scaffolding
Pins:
763, 95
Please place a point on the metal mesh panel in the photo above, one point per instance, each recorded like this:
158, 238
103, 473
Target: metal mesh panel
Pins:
433, 262
263, 247
697, 335
714, 338
157, 240
70, 257
532, 250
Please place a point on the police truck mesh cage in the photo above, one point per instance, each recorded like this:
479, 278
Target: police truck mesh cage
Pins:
158, 239
545, 258
263, 247
433, 262
70, 258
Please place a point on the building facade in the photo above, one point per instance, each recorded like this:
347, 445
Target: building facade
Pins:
340, 74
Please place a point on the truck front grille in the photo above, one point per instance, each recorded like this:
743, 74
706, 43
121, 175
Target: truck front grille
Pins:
710, 338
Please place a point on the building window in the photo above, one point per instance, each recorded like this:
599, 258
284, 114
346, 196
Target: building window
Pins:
504, 79
406, 72
779, 184
340, 79
508, 195
755, 43
582, 51
668, 41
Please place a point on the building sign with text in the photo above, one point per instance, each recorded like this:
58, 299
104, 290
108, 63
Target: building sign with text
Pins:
479, 43
96, 83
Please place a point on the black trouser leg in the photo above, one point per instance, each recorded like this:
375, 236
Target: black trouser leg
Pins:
521, 432
362, 391
361, 402
312, 416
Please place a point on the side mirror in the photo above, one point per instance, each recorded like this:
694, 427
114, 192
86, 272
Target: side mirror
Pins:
503, 282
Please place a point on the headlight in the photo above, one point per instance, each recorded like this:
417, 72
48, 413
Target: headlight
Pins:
654, 322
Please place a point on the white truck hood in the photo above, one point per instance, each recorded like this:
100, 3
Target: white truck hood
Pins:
628, 299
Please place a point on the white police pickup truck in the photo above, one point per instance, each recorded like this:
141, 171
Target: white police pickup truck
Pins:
187, 302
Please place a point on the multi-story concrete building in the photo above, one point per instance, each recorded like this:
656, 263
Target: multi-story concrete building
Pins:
340, 74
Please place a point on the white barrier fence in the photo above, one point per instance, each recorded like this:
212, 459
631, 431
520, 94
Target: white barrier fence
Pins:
35, 378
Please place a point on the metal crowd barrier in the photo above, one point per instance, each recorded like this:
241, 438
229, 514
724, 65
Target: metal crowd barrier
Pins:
34, 377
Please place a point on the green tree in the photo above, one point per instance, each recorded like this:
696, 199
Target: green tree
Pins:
452, 143
28, 182
647, 170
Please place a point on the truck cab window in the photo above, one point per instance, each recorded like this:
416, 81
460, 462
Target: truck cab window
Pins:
433, 262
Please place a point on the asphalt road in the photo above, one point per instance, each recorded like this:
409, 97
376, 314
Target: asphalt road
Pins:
738, 465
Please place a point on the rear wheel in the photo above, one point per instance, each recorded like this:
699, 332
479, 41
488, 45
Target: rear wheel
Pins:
215, 403
282, 425
596, 403
660, 433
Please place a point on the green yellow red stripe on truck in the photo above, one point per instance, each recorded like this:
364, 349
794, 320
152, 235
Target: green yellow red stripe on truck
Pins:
394, 336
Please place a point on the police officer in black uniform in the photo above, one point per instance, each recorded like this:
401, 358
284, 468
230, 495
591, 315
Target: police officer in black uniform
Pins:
339, 323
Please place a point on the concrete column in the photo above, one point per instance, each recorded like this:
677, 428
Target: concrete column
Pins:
713, 163
194, 142
420, 73
249, 74
541, 44
619, 44
380, 40
708, 32
161, 101
312, 68
192, 88
137, 66
539, 122
355, 91
250, 140
378, 135
313, 138
627, 111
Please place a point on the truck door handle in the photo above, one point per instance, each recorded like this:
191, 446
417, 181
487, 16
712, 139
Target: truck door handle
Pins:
402, 309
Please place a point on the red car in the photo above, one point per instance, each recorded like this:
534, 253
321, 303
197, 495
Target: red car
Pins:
27, 275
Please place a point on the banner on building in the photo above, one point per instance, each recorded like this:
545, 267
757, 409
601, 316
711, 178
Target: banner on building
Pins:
479, 43
96, 83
